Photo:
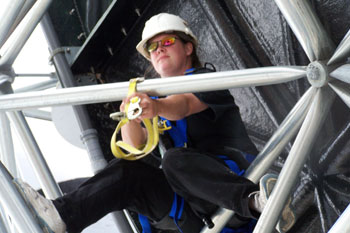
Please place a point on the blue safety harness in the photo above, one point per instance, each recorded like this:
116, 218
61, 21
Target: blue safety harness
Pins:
178, 132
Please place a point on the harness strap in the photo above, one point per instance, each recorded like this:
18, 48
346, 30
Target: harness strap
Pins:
146, 226
232, 165
124, 117
178, 132
177, 209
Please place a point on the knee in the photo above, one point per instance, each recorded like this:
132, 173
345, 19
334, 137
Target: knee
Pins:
174, 160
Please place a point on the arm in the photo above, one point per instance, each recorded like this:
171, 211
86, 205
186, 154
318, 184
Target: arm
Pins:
132, 132
176, 107
173, 107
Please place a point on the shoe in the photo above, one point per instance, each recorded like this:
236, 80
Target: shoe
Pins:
42, 209
267, 183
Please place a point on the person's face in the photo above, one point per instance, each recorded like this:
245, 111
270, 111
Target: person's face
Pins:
172, 60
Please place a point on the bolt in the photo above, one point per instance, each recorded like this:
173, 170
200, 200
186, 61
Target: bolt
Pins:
124, 31
92, 69
110, 51
314, 72
81, 35
317, 73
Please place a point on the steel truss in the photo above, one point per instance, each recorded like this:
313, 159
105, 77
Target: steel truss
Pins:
328, 74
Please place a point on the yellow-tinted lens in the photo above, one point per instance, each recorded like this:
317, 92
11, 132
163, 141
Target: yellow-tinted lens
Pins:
152, 46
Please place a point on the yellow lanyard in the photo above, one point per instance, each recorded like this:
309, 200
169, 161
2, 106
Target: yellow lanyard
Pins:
132, 110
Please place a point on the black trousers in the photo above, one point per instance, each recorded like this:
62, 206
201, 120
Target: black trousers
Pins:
201, 179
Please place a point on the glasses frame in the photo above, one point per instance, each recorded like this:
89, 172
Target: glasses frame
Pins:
162, 41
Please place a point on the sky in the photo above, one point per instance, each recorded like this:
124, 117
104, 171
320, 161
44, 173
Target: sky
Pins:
65, 160
33, 59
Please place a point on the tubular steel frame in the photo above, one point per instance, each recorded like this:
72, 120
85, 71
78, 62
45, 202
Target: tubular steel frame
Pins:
304, 120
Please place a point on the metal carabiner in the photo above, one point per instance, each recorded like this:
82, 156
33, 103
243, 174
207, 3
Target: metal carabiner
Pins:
117, 116
134, 110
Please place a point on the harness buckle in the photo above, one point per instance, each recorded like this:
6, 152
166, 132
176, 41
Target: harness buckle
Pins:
162, 126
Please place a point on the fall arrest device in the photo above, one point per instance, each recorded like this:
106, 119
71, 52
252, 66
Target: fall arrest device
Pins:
133, 110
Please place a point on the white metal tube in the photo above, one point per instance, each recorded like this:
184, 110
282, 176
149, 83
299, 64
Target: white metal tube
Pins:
36, 75
4, 226
38, 87
26, 7
307, 28
266, 157
161, 86
6, 145
296, 159
15, 206
342, 73
342, 224
38, 114
342, 50
342, 90
23, 32
283, 135
13, 8
39, 164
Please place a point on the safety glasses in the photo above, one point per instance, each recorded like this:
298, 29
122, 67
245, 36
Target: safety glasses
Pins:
165, 42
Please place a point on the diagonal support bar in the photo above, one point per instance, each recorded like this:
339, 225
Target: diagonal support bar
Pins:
296, 159
23, 32
342, 224
284, 134
161, 87
307, 28
342, 73
16, 207
4, 226
342, 51
13, 8
43, 172
342, 90
7, 154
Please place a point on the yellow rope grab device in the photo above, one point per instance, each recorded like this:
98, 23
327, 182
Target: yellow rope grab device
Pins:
133, 110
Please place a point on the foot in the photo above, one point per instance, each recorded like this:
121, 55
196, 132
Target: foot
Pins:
42, 209
267, 183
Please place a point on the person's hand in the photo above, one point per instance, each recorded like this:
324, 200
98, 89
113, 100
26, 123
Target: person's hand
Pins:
148, 105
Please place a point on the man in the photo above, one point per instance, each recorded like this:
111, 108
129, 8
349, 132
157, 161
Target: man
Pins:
199, 170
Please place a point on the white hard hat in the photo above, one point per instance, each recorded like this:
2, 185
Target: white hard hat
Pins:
163, 23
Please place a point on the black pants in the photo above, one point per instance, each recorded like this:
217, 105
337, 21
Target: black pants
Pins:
201, 179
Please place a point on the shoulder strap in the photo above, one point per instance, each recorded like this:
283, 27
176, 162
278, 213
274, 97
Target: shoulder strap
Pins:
207, 68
